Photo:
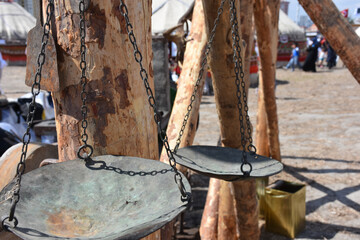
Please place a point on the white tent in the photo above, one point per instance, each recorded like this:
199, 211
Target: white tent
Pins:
15, 22
358, 31
166, 13
289, 28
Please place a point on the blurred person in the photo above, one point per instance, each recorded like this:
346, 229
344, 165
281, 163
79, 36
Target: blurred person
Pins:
331, 57
322, 56
3, 64
294, 60
312, 54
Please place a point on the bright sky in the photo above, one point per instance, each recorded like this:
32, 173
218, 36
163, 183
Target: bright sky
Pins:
341, 5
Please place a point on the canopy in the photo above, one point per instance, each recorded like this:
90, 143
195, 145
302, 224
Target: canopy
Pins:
15, 22
289, 28
166, 13
358, 31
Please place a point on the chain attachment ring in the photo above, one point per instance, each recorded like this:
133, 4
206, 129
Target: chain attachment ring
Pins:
83, 109
241, 91
6, 227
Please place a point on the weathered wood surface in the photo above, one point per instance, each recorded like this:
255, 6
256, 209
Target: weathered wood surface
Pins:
337, 31
222, 67
120, 120
209, 220
49, 75
246, 199
266, 22
186, 84
227, 219
36, 153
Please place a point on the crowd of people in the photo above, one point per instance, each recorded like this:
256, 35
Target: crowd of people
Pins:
318, 53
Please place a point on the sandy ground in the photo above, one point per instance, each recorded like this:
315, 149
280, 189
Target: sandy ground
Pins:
319, 120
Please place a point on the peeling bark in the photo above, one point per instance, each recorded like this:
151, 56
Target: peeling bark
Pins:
209, 220
266, 22
222, 68
120, 120
186, 83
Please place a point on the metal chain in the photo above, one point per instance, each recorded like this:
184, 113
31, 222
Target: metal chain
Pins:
200, 76
157, 117
35, 90
240, 85
84, 108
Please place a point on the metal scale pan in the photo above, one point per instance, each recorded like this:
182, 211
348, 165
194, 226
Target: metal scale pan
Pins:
114, 197
225, 163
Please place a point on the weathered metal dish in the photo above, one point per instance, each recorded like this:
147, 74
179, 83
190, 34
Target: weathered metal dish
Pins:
113, 197
225, 163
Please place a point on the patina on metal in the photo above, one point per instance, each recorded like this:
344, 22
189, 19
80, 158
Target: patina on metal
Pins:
107, 197
225, 163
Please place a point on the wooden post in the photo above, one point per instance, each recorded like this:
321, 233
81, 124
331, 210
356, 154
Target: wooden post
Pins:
186, 83
222, 67
266, 22
209, 220
227, 219
337, 31
120, 120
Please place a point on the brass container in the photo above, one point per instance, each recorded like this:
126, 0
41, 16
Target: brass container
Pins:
285, 208
261, 183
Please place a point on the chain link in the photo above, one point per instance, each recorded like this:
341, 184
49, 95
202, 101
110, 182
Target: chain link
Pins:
241, 92
200, 76
86, 148
185, 196
35, 90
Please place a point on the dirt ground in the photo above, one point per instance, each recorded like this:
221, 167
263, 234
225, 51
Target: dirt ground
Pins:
319, 120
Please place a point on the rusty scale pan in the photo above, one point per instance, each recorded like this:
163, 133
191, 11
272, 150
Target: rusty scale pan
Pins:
111, 197
225, 163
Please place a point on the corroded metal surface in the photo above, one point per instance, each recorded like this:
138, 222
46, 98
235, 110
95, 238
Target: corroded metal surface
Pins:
114, 197
224, 163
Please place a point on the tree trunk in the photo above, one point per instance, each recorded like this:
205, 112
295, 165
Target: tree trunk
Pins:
120, 120
245, 200
186, 84
222, 67
266, 22
209, 220
227, 220
337, 31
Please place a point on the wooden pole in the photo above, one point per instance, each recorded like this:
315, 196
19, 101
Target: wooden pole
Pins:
222, 67
337, 31
266, 22
120, 120
186, 84
209, 220
227, 219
